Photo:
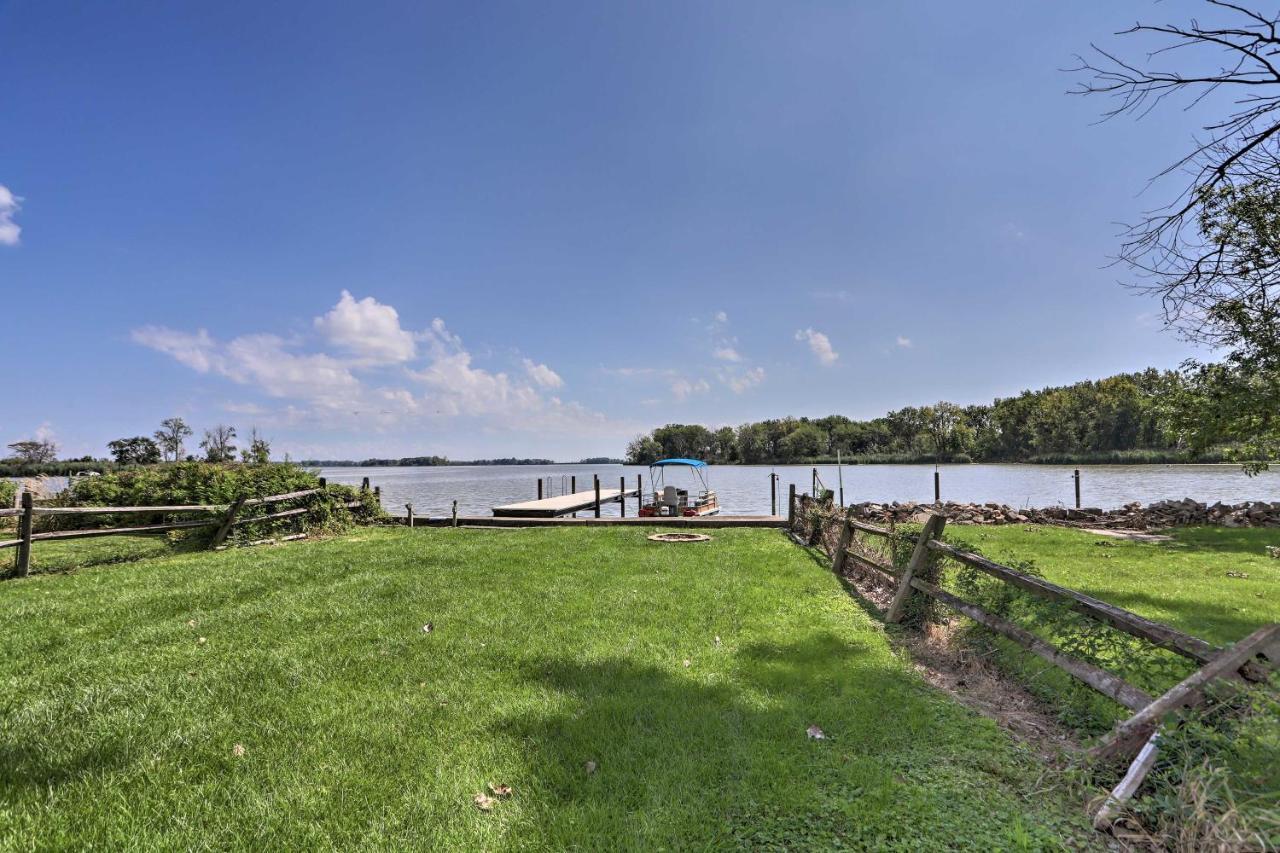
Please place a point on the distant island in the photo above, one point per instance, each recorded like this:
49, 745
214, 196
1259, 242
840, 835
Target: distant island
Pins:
433, 461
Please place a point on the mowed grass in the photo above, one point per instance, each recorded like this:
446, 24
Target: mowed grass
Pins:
1192, 583
550, 649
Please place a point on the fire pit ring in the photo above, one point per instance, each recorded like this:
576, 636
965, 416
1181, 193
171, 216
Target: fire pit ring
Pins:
679, 537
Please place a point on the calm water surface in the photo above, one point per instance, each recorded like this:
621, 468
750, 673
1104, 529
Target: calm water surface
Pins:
744, 490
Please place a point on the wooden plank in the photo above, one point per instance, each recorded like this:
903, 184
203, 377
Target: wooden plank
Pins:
229, 520
1096, 677
283, 514
139, 530
288, 496
11, 513
124, 510
1126, 736
932, 529
10, 543
887, 571
1117, 617
1132, 780
873, 530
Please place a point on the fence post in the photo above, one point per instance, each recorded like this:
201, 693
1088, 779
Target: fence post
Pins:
622, 495
791, 506
227, 522
24, 534
597, 479
932, 530
1077, 479
842, 549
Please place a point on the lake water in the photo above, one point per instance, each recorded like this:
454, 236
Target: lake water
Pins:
744, 490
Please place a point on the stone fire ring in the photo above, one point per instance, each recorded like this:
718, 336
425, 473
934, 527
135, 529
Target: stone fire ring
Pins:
679, 537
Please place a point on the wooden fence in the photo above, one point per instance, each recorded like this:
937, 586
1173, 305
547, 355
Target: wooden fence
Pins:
224, 517
1250, 660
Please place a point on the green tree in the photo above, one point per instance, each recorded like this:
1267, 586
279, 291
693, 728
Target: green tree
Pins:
642, 450
217, 444
259, 450
170, 436
138, 450
34, 450
806, 441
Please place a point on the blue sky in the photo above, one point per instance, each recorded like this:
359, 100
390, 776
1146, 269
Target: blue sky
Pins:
484, 229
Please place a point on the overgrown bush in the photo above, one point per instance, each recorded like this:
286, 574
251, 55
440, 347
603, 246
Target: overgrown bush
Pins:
8, 493
204, 483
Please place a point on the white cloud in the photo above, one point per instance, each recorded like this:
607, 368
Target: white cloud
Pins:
542, 376
721, 317
368, 330
198, 351
905, 343
10, 204
819, 345
746, 381
683, 388
727, 353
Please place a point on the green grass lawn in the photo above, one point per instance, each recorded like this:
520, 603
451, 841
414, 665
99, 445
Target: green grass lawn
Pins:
687, 673
1183, 583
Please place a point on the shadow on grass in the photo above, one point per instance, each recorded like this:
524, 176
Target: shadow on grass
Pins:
1215, 623
717, 754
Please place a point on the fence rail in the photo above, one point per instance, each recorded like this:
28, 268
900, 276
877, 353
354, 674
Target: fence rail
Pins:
225, 517
1251, 659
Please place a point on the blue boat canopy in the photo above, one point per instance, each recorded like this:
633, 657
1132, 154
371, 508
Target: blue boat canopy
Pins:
692, 463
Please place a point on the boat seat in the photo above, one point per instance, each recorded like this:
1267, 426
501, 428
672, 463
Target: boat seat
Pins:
671, 498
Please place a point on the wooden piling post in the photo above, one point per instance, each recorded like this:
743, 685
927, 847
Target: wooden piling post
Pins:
639, 494
597, 479
409, 520
622, 495
937, 487
377, 494
228, 521
323, 483
1076, 476
773, 494
932, 530
455, 513
23, 567
539, 488
364, 484
791, 506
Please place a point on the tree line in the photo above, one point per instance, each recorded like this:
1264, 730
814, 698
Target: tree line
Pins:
1102, 419
166, 444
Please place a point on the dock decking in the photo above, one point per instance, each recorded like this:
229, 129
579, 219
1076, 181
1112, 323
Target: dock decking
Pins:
706, 521
562, 504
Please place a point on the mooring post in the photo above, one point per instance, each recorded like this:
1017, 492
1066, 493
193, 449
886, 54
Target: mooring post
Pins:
455, 513
539, 488
639, 494
323, 483
1076, 476
24, 535
937, 487
773, 494
791, 506
622, 495
409, 520
377, 494
573, 488
813, 490
597, 479
364, 484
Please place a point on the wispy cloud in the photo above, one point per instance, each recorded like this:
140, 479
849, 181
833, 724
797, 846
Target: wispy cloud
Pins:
726, 353
542, 376
745, 381
819, 345
683, 388
905, 343
10, 204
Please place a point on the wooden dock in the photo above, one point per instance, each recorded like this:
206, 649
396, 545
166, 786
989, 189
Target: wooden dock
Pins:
700, 522
562, 504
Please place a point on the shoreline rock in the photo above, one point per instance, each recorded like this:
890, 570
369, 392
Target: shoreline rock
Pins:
1132, 516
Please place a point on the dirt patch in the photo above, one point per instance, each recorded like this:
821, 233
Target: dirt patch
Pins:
1129, 535
948, 665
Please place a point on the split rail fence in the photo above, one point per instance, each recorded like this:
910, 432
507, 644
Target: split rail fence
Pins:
224, 517
1250, 660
